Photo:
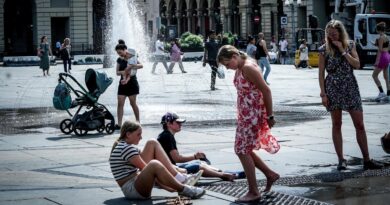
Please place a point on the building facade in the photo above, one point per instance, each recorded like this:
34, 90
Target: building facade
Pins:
24, 22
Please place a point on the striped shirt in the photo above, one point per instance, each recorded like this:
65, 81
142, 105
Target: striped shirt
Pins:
119, 160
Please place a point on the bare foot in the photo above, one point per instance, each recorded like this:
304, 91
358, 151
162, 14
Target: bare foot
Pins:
270, 180
228, 177
248, 198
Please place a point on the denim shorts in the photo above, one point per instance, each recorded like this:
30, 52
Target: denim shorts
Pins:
191, 166
129, 190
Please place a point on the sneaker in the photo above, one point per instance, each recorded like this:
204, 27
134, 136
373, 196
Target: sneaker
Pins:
342, 165
192, 179
385, 99
192, 192
380, 96
184, 71
371, 165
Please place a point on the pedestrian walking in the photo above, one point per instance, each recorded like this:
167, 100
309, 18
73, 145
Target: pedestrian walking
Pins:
254, 119
159, 55
44, 51
210, 56
172, 124
340, 90
303, 55
251, 48
136, 171
65, 55
176, 56
382, 62
262, 56
130, 89
283, 44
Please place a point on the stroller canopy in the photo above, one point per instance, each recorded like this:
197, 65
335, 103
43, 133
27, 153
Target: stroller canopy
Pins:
97, 82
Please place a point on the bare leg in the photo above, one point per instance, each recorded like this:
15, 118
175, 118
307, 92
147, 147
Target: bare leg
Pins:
386, 77
119, 109
133, 103
357, 118
375, 74
153, 150
154, 169
336, 133
211, 172
270, 174
249, 168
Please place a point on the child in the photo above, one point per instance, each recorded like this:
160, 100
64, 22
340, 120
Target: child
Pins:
130, 70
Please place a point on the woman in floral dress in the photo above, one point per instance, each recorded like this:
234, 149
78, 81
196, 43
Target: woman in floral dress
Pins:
340, 91
254, 120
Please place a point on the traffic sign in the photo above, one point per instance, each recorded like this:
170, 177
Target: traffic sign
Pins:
283, 20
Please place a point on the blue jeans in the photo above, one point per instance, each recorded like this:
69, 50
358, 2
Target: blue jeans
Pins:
263, 62
192, 167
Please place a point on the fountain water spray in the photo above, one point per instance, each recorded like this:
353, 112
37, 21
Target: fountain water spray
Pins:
125, 23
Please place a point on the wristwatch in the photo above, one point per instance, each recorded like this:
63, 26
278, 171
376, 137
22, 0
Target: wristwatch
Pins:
271, 117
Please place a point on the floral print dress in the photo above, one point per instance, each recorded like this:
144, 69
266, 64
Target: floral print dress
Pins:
341, 86
252, 128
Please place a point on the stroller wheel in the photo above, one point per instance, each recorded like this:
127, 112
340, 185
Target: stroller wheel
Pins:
101, 129
66, 126
109, 128
79, 128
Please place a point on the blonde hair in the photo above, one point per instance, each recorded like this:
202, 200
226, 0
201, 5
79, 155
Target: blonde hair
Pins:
67, 41
343, 36
226, 52
127, 126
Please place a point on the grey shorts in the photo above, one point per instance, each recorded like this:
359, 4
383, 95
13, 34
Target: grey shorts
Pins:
129, 190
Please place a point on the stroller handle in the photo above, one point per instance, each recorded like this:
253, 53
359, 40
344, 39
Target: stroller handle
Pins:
61, 78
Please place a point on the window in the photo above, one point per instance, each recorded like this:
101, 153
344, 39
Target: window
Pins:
59, 3
374, 21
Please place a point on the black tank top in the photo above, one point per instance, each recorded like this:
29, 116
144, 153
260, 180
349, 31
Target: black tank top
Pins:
260, 51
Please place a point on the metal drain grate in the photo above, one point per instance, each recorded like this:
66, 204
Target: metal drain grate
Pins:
237, 189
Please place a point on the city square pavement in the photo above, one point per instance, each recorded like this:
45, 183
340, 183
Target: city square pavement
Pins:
40, 165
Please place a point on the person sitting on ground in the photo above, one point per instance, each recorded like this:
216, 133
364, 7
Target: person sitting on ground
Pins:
136, 171
171, 124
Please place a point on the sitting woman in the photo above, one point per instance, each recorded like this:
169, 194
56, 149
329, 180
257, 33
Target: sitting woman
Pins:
137, 171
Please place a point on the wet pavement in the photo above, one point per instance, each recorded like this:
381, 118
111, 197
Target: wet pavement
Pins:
40, 165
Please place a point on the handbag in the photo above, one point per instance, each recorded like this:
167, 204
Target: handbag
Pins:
220, 73
39, 53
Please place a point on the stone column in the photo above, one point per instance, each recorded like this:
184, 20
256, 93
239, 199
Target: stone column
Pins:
179, 19
201, 22
189, 20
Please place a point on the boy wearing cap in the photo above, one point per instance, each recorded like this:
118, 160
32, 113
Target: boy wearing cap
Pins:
172, 124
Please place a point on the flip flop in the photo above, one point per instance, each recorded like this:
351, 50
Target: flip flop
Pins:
205, 160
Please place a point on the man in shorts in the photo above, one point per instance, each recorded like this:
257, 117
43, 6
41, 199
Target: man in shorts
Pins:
193, 163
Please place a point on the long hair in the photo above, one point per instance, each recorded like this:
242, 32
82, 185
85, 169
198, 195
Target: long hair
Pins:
43, 37
381, 27
343, 36
227, 51
127, 126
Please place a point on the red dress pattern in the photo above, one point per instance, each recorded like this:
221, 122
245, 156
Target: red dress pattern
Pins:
252, 128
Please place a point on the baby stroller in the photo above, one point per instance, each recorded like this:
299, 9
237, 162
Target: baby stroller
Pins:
95, 114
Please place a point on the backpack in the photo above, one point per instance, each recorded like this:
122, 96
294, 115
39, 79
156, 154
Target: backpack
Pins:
62, 99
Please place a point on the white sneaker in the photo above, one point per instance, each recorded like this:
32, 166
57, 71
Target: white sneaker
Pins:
191, 179
380, 96
192, 192
385, 99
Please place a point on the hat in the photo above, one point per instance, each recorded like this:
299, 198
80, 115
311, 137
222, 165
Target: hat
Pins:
131, 51
170, 117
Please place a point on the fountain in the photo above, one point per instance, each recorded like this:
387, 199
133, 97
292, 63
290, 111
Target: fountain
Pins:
125, 23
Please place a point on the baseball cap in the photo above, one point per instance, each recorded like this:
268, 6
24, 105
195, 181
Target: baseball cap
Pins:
131, 51
170, 117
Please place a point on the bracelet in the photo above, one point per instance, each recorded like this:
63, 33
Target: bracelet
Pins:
194, 156
344, 53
